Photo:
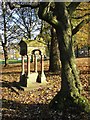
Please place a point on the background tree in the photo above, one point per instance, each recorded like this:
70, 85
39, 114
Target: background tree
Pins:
48, 34
54, 53
4, 30
81, 37
25, 23
45, 34
15, 25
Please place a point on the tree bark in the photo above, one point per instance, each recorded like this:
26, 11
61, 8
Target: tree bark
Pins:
77, 51
5, 54
71, 88
4, 44
54, 53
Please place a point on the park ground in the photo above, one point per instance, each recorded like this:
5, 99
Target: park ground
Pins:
33, 104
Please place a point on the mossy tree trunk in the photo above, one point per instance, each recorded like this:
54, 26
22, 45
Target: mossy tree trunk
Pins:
54, 53
71, 88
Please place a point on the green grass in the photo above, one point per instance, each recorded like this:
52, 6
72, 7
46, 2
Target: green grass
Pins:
12, 61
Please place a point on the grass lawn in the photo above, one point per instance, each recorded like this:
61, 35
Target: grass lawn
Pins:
11, 61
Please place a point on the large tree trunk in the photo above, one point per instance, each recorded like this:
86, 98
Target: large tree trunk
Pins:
71, 88
54, 53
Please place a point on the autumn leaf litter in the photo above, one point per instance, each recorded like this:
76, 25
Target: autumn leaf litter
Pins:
33, 105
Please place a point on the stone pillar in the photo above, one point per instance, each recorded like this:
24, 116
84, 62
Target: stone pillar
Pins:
35, 63
23, 65
43, 78
42, 64
33, 57
28, 65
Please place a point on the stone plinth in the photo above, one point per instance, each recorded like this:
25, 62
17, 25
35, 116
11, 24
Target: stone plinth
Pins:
43, 78
32, 78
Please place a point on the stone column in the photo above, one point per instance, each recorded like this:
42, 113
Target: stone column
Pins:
43, 78
35, 63
33, 57
23, 65
28, 65
42, 64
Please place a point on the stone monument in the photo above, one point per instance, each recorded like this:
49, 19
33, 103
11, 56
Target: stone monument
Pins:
29, 48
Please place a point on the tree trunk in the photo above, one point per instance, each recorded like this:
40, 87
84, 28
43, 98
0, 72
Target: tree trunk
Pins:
70, 93
4, 44
77, 50
54, 53
5, 54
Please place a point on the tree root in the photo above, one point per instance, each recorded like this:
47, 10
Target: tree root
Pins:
61, 102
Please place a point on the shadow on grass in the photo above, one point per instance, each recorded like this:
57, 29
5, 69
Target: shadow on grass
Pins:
10, 73
12, 110
15, 110
11, 85
19, 111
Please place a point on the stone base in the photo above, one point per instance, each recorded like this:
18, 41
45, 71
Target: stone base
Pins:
27, 81
43, 78
23, 80
32, 78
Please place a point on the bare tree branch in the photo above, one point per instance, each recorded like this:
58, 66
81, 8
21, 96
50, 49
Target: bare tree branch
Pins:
45, 13
80, 25
79, 17
83, 9
72, 7
16, 5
